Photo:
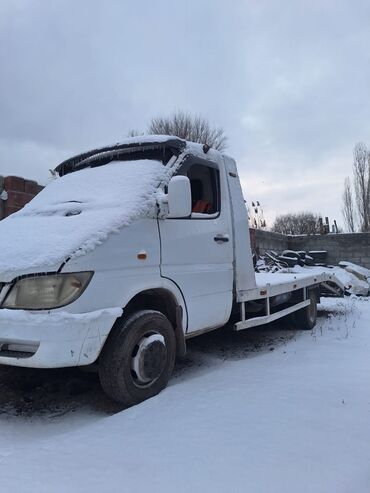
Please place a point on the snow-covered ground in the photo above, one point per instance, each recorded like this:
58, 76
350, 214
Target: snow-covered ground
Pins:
270, 410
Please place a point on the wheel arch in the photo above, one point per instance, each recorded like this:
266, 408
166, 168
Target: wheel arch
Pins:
164, 300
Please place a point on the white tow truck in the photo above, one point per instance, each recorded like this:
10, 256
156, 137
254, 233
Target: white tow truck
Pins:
130, 251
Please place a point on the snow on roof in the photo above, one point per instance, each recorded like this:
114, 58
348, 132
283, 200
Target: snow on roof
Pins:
146, 139
77, 212
156, 138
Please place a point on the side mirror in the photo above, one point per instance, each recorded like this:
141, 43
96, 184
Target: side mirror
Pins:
179, 197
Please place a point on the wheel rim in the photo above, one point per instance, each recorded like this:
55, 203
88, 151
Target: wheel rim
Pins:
148, 359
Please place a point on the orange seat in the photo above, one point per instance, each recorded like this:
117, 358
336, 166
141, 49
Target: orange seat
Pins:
202, 206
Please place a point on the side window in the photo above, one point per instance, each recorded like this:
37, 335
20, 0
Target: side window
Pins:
205, 189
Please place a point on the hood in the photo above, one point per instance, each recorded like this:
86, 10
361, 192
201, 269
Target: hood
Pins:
77, 212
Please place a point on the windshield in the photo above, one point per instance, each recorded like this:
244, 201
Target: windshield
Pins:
117, 185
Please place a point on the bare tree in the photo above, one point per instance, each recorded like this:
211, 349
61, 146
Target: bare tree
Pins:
356, 194
297, 223
348, 208
189, 127
361, 179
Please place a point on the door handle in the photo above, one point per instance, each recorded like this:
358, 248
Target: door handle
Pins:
221, 238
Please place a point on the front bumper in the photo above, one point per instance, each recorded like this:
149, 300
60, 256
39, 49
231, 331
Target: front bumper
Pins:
53, 339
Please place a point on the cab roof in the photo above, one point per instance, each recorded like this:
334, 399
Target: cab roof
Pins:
161, 147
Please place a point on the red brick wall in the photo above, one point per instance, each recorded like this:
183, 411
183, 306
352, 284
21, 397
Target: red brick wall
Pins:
20, 191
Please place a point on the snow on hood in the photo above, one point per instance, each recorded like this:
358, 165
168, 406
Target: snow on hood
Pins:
77, 212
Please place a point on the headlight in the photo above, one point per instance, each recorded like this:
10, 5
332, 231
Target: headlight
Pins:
42, 292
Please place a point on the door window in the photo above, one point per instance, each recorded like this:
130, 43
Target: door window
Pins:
205, 190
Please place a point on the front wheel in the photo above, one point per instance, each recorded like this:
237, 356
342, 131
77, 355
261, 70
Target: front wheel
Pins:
138, 358
305, 319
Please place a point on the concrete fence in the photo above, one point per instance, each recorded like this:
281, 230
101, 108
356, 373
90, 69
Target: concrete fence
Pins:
266, 240
353, 247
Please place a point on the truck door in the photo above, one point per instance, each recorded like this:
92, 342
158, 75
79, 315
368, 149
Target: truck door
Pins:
197, 252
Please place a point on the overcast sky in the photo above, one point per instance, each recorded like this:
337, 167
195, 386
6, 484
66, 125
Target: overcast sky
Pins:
288, 80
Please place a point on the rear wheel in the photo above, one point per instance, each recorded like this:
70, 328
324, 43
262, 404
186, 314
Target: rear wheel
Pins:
305, 319
138, 357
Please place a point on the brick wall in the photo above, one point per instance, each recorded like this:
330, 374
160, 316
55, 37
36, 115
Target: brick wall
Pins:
354, 247
19, 192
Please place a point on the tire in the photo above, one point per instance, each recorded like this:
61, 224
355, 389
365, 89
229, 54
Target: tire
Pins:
138, 358
305, 319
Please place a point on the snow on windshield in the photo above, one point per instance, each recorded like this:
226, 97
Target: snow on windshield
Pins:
75, 213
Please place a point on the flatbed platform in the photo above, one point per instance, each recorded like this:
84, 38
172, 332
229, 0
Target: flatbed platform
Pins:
272, 284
